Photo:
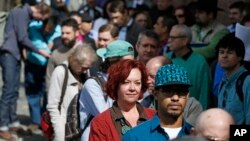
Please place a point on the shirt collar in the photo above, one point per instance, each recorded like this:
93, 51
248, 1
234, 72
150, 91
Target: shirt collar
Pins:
185, 56
234, 76
155, 125
118, 115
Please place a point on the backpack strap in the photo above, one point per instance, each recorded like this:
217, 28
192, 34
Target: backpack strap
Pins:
220, 86
239, 84
64, 86
89, 118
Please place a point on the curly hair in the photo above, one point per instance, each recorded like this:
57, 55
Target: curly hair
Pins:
118, 73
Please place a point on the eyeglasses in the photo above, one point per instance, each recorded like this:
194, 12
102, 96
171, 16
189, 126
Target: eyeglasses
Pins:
176, 37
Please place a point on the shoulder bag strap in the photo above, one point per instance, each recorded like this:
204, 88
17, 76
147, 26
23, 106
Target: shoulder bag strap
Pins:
239, 84
64, 86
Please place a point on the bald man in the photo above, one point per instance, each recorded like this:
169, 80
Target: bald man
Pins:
193, 107
152, 66
214, 124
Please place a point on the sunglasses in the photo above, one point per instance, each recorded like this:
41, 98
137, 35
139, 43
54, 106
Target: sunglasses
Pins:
171, 92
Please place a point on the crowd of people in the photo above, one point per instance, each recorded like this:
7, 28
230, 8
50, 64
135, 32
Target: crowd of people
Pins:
137, 69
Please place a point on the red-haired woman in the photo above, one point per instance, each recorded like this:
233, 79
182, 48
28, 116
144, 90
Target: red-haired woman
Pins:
126, 84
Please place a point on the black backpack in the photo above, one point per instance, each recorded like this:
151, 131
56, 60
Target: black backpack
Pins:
239, 85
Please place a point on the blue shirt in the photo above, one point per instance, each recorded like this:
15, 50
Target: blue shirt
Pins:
151, 130
218, 74
229, 100
92, 102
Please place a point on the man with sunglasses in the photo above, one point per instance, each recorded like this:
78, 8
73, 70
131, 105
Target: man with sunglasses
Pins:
171, 91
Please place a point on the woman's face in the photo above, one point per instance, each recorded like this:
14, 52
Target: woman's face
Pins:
129, 91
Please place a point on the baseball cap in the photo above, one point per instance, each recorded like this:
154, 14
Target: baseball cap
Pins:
117, 48
172, 74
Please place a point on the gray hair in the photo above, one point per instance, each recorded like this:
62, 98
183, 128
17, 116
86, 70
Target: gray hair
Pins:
84, 52
150, 34
185, 31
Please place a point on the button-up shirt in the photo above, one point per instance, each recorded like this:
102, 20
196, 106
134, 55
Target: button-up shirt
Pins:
151, 130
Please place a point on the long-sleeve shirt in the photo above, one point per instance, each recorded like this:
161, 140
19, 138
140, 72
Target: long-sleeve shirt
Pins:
210, 36
16, 32
199, 75
152, 131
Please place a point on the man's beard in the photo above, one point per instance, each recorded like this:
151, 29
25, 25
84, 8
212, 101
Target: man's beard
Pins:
174, 115
69, 44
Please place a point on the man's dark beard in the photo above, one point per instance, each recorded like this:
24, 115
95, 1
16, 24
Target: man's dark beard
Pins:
69, 44
174, 115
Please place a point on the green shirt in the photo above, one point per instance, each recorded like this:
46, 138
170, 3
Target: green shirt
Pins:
199, 75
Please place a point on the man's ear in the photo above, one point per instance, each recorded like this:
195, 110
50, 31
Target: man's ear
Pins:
193, 131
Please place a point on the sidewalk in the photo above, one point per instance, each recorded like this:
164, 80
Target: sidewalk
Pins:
23, 113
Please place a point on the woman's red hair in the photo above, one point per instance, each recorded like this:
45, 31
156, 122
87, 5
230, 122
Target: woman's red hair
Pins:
119, 72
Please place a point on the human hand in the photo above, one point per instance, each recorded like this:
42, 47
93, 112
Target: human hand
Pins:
44, 53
